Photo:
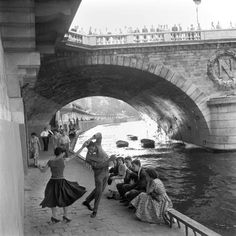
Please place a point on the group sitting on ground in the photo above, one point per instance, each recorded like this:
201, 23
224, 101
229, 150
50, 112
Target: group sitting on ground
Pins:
144, 192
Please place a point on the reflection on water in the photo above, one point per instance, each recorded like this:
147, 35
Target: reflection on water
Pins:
201, 184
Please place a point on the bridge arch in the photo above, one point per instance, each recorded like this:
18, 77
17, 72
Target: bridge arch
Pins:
176, 104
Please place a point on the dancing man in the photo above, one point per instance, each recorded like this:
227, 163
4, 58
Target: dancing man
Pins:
99, 161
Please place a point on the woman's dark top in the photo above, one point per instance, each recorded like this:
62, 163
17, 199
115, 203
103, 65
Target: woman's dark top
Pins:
57, 167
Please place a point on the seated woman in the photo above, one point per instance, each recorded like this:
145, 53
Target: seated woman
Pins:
152, 206
116, 179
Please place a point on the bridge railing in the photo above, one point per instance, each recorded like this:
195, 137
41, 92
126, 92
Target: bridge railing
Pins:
151, 37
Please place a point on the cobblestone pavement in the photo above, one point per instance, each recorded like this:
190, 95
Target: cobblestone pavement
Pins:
112, 219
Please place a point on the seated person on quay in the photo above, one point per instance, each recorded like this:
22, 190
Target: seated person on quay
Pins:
118, 178
130, 178
152, 206
139, 186
113, 171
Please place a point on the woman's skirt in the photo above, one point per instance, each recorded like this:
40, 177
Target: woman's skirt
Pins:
61, 193
151, 210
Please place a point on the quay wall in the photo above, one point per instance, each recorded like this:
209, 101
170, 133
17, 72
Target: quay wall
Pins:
11, 163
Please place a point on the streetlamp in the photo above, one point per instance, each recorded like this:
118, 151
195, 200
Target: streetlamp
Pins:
197, 2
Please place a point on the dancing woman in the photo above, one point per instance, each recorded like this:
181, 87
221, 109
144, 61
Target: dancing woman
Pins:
60, 192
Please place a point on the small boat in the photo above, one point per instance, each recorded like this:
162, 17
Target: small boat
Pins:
132, 137
148, 143
121, 143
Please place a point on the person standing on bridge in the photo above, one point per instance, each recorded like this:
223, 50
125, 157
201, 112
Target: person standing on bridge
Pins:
99, 161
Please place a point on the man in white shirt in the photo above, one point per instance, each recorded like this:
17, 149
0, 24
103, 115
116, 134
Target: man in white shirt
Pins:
45, 134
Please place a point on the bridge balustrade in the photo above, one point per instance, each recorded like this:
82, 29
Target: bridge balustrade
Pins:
142, 38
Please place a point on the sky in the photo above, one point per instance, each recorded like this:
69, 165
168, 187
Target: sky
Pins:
115, 14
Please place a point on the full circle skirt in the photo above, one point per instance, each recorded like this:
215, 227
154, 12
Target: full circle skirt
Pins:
61, 193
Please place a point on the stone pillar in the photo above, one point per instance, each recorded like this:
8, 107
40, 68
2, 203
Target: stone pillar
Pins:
222, 123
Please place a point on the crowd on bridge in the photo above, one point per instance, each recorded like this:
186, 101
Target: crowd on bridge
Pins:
145, 29
127, 35
138, 188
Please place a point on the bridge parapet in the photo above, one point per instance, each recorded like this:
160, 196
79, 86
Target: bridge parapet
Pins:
150, 37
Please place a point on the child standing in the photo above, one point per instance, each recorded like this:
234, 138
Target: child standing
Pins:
34, 148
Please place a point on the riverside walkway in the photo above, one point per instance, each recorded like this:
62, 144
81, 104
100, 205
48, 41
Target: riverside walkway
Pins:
113, 218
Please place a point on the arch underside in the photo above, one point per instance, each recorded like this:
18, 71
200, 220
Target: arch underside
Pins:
165, 103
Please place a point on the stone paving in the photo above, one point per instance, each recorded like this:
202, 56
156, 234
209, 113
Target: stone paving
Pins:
112, 219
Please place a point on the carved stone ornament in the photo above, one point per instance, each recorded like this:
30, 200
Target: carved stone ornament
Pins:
222, 69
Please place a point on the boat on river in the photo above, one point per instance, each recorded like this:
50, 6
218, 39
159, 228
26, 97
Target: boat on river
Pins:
147, 143
121, 143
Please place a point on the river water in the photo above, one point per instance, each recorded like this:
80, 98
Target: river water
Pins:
201, 184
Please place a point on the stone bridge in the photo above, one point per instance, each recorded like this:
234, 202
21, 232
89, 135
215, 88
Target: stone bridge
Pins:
187, 87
